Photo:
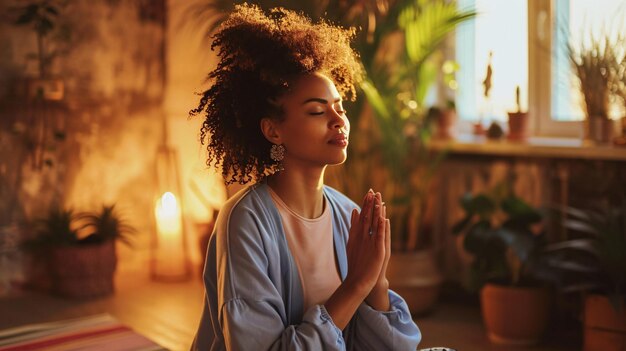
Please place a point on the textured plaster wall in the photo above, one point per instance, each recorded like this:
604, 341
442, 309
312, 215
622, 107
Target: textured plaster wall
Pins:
114, 71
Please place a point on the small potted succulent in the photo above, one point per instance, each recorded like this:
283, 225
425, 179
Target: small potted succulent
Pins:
518, 121
500, 233
77, 250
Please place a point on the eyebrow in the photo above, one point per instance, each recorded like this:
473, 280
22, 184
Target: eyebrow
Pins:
320, 100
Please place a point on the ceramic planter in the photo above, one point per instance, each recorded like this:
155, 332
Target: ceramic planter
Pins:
605, 328
445, 124
599, 129
415, 276
515, 315
518, 126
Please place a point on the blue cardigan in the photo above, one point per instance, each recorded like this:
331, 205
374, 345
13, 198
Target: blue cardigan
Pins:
254, 298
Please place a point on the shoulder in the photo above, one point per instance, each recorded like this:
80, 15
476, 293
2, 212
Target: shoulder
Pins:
250, 207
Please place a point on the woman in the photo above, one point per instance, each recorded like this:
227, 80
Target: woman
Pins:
292, 264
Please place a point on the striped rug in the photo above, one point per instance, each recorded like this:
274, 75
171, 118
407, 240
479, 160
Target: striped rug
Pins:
95, 333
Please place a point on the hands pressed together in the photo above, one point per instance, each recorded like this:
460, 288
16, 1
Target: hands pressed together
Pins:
369, 249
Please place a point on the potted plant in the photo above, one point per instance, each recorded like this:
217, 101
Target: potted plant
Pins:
507, 264
42, 16
78, 250
445, 121
400, 73
518, 121
593, 261
596, 68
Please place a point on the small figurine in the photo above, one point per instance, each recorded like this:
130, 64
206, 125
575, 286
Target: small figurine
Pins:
487, 81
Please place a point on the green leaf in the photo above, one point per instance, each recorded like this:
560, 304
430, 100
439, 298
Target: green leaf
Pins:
587, 245
478, 236
480, 204
521, 243
374, 98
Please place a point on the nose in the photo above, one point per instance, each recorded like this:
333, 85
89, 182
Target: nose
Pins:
339, 121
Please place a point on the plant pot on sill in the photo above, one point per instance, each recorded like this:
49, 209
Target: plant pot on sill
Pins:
518, 126
415, 277
605, 328
515, 315
83, 271
598, 129
445, 124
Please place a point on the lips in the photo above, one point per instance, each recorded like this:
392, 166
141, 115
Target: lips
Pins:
339, 140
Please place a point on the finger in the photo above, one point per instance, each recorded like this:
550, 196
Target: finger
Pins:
376, 213
384, 210
366, 195
366, 213
380, 240
354, 217
387, 238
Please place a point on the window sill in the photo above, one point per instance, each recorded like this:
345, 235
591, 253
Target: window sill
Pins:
539, 147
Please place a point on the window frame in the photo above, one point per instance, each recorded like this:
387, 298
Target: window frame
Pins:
541, 18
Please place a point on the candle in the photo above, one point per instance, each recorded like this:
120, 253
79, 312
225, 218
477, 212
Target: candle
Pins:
170, 260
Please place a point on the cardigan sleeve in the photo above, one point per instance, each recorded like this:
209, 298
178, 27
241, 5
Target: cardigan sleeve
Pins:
390, 330
255, 325
251, 310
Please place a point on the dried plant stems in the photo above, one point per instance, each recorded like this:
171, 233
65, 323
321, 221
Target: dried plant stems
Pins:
596, 67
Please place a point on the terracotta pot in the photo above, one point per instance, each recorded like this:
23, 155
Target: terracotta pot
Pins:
599, 129
83, 271
445, 124
518, 126
605, 328
515, 315
416, 278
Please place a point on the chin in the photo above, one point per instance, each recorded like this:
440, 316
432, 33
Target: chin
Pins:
338, 160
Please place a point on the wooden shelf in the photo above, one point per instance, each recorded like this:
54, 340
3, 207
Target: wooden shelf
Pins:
537, 147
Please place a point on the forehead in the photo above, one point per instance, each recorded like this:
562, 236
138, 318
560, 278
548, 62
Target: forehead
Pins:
314, 85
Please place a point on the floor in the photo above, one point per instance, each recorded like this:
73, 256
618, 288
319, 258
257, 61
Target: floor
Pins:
168, 314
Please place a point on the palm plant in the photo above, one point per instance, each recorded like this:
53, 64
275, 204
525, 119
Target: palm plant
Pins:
397, 93
594, 258
107, 225
64, 227
56, 229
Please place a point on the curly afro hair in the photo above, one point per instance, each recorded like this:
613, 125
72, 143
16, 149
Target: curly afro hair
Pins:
260, 55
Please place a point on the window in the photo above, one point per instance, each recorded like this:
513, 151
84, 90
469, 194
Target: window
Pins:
576, 20
528, 39
496, 38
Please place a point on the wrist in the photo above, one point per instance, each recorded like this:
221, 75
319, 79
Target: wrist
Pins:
378, 298
354, 288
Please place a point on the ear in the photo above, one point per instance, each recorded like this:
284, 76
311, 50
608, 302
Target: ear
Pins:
269, 128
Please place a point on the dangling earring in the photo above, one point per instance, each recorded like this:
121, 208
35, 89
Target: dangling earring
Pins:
277, 153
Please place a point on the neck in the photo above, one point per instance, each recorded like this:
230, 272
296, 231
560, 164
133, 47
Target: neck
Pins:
300, 189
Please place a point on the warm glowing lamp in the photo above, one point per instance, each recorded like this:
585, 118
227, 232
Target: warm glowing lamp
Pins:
169, 261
